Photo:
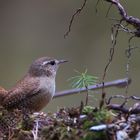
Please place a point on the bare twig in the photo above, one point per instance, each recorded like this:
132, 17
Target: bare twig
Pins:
86, 103
35, 131
117, 107
122, 97
128, 53
129, 20
11, 134
108, 10
135, 22
121, 107
116, 83
73, 16
114, 34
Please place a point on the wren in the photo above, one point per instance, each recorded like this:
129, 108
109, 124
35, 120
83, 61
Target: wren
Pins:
34, 91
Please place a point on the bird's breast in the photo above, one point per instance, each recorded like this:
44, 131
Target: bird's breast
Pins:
47, 86
45, 94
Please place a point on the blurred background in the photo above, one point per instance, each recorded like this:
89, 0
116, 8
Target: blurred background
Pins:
31, 29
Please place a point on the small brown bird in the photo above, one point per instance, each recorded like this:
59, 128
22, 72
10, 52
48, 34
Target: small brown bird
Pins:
36, 89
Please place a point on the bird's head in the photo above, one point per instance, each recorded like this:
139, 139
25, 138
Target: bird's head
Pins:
45, 66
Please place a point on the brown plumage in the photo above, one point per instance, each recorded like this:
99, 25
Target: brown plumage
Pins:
3, 93
36, 89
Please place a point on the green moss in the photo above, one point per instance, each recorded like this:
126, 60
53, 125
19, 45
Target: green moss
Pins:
103, 116
95, 136
65, 124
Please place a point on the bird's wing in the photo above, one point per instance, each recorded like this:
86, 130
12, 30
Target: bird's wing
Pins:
20, 93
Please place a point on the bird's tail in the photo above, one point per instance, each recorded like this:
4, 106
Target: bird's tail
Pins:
3, 93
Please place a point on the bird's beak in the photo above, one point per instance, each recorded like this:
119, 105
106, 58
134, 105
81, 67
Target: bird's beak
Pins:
62, 61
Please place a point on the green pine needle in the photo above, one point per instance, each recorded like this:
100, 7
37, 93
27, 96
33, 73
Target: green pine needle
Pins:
82, 80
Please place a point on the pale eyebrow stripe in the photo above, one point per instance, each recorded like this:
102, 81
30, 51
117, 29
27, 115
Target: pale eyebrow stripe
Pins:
44, 63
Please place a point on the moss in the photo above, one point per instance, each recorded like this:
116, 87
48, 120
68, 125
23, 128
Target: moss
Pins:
64, 124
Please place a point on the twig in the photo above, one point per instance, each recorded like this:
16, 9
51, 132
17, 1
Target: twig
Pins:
35, 131
114, 34
73, 16
11, 134
108, 10
121, 83
136, 98
87, 90
123, 109
135, 22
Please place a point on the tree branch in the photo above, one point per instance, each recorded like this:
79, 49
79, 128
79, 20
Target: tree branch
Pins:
135, 22
73, 16
121, 83
132, 110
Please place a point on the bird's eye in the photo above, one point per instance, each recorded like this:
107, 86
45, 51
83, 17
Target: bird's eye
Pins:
52, 62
